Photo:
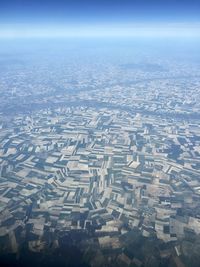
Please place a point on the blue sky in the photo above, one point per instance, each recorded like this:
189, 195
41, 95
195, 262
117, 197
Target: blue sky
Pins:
45, 16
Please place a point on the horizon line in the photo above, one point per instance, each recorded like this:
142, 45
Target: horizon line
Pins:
12, 31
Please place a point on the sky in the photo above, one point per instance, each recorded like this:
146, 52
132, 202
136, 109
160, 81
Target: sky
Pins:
98, 17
